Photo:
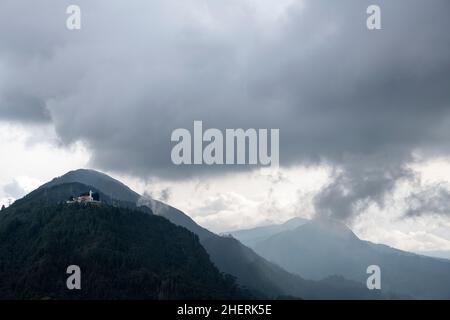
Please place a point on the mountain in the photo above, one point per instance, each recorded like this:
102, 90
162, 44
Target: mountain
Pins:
110, 187
54, 192
230, 256
252, 236
123, 253
441, 254
325, 247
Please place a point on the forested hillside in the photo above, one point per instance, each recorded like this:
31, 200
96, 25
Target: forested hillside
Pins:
122, 253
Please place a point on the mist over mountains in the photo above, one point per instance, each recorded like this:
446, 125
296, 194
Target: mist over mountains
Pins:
359, 121
322, 248
299, 259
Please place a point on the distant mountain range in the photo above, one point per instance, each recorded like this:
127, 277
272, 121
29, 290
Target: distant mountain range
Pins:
322, 248
251, 237
321, 259
255, 276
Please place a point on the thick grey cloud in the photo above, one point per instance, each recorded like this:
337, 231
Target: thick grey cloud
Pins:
336, 90
18, 106
432, 200
359, 183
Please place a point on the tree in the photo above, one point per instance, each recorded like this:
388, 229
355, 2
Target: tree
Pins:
3, 208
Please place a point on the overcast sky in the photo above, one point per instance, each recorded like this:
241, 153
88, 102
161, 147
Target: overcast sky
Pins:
364, 116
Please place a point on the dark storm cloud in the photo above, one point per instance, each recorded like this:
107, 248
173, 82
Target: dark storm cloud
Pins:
336, 90
23, 108
432, 200
359, 183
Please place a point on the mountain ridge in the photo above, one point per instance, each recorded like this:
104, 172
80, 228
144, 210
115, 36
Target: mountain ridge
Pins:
123, 253
324, 248
228, 254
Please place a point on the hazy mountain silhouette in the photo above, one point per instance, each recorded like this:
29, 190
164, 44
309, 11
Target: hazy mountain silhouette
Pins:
323, 248
252, 236
227, 253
